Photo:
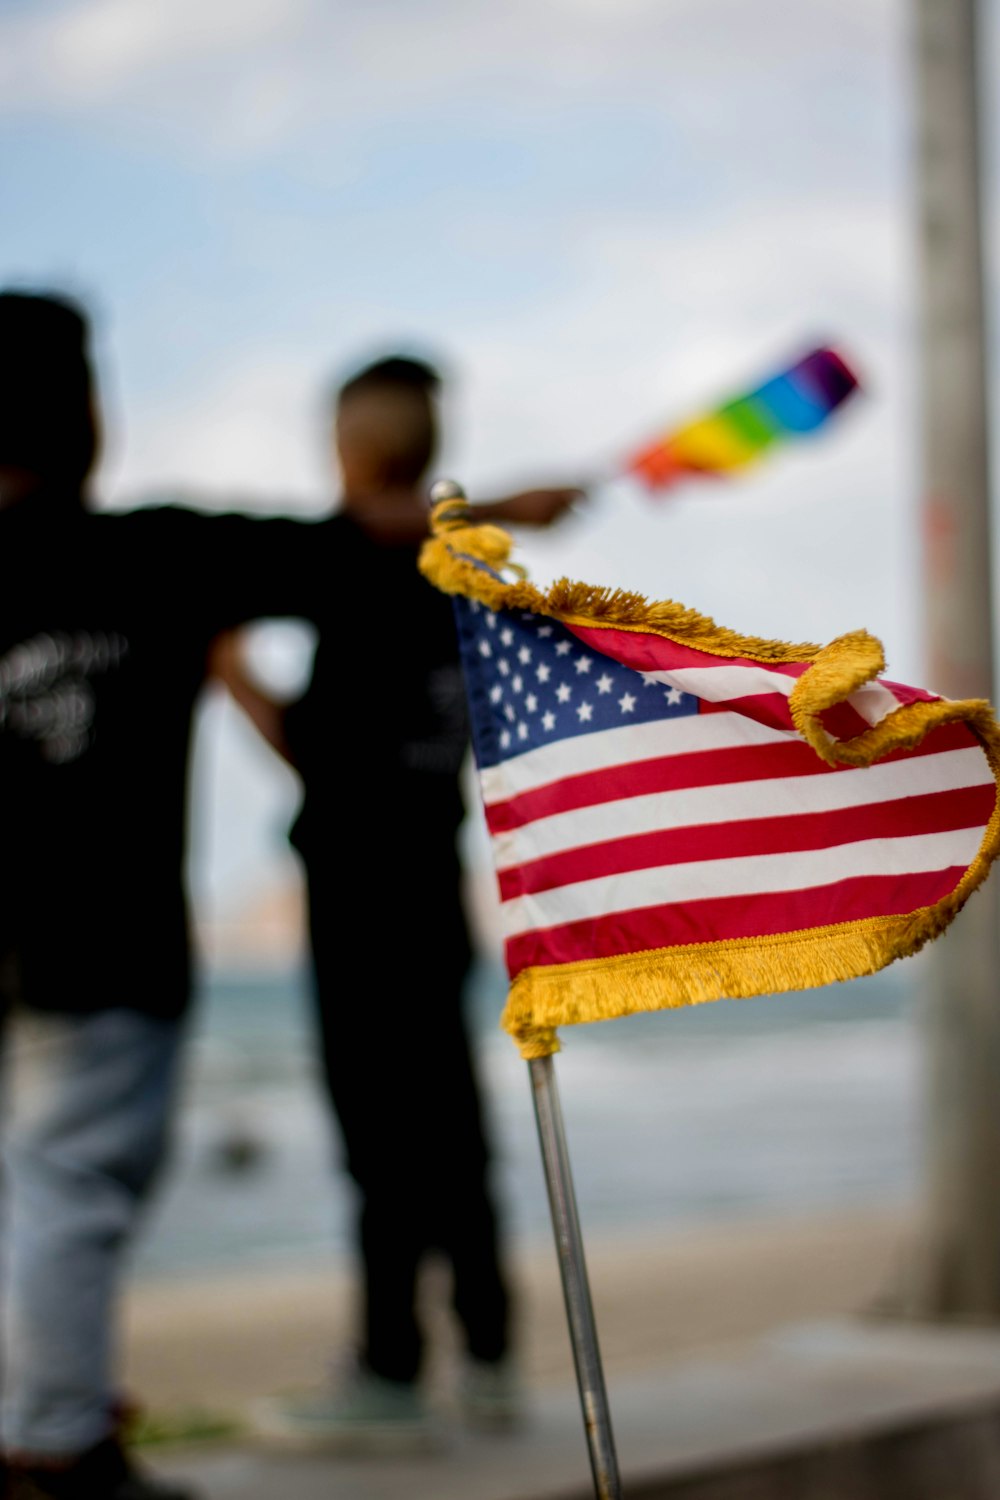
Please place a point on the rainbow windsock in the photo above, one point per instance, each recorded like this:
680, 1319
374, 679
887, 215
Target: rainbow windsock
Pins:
794, 402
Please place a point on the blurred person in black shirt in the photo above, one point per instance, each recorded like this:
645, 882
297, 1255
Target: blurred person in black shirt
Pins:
105, 624
379, 738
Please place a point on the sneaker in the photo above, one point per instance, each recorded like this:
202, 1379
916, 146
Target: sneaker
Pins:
491, 1394
362, 1413
102, 1473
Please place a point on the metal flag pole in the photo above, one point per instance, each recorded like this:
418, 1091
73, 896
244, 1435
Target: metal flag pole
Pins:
566, 1224
576, 1288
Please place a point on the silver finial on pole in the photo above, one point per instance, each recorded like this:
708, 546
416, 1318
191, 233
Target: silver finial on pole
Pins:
446, 489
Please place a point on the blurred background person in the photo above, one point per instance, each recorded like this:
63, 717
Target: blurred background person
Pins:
105, 623
97, 679
379, 738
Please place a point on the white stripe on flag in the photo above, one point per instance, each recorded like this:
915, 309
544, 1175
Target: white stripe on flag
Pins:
719, 684
716, 684
739, 801
746, 876
873, 702
683, 735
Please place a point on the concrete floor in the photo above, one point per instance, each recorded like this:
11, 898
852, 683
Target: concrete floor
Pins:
806, 1391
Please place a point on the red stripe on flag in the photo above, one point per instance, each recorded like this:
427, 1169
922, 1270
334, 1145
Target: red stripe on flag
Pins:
654, 653
936, 812
843, 721
671, 773
770, 709
909, 694
729, 917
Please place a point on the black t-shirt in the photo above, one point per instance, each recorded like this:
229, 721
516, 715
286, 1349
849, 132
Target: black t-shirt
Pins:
105, 620
380, 733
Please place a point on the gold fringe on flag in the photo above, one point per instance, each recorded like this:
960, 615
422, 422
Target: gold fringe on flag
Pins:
545, 997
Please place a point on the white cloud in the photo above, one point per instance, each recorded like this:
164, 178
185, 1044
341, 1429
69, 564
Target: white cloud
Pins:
247, 74
89, 50
250, 435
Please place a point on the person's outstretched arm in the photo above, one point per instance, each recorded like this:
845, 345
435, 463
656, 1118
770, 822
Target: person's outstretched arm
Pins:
400, 516
266, 714
540, 507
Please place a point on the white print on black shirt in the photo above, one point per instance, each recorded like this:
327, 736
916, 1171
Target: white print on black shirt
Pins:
45, 692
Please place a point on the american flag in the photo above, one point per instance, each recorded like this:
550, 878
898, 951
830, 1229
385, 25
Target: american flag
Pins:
642, 794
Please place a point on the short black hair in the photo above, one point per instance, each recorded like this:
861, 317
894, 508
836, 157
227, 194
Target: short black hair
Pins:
387, 413
397, 370
47, 422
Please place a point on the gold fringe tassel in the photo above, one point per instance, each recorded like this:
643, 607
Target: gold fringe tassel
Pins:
548, 996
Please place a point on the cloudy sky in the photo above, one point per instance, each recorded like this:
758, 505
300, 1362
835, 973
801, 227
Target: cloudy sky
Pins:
597, 214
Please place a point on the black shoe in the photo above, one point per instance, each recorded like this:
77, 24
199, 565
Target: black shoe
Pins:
102, 1473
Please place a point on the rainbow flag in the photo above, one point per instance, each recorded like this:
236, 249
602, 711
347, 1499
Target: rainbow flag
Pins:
794, 402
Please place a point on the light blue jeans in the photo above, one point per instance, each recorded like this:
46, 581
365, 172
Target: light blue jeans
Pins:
81, 1148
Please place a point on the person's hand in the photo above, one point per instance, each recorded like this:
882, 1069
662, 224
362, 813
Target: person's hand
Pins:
536, 507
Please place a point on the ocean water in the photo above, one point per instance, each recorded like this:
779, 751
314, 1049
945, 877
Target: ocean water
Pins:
783, 1104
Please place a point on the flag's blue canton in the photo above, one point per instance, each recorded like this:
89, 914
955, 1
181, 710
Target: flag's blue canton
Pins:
531, 681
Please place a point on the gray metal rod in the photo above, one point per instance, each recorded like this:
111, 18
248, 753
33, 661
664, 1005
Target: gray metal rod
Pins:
576, 1289
953, 1272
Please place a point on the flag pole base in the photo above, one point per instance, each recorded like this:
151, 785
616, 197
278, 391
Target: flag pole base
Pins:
576, 1288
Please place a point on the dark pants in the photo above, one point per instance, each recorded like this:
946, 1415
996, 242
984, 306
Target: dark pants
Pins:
401, 1079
